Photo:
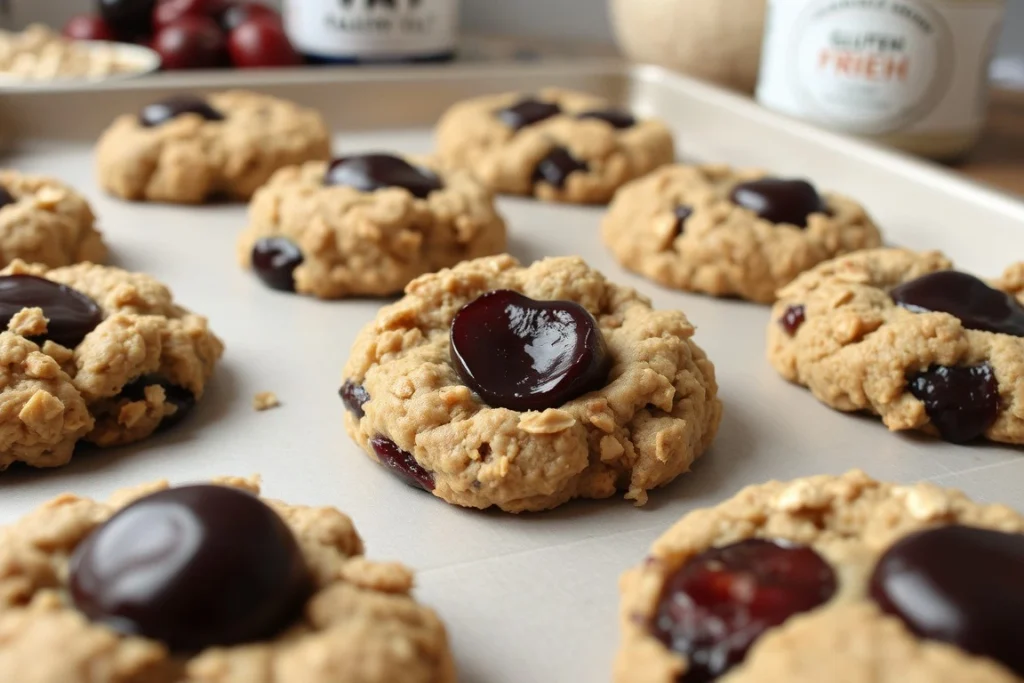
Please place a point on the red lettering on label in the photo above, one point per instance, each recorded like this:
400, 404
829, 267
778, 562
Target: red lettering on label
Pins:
864, 66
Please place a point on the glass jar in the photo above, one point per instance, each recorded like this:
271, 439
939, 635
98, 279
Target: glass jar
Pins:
912, 74
373, 30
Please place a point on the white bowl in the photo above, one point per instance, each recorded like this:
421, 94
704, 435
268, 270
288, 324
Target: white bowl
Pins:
137, 60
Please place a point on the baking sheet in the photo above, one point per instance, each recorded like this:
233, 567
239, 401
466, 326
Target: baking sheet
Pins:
531, 597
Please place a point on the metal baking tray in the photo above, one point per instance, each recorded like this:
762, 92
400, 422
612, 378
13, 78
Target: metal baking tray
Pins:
532, 597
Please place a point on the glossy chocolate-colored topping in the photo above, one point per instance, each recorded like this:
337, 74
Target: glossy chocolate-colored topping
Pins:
527, 112
274, 260
780, 200
71, 315
371, 172
978, 306
161, 112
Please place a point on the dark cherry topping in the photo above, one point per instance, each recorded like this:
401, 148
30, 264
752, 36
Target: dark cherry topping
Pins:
528, 355
616, 118
962, 402
959, 585
792, 318
274, 260
370, 172
978, 306
192, 567
527, 112
720, 602
682, 214
71, 314
402, 463
558, 165
161, 112
354, 396
6, 197
180, 397
779, 200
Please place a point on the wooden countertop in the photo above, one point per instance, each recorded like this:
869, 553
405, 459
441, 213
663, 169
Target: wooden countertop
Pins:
999, 157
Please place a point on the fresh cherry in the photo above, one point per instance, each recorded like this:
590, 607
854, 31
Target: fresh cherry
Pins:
179, 397
192, 567
962, 402
71, 315
616, 118
354, 396
87, 27
792, 318
779, 201
960, 585
524, 354
274, 259
238, 13
161, 112
128, 19
167, 12
557, 166
720, 602
682, 214
261, 42
527, 112
191, 43
371, 172
402, 463
6, 197
978, 306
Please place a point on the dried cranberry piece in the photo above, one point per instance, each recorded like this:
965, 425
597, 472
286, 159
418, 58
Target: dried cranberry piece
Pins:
779, 200
616, 118
527, 112
557, 166
354, 396
682, 214
962, 402
6, 197
180, 397
719, 603
960, 585
161, 112
371, 172
792, 318
523, 354
974, 303
70, 314
402, 463
274, 260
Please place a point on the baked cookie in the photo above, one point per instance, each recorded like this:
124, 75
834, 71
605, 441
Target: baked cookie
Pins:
366, 224
93, 353
494, 384
901, 335
44, 221
188, 149
730, 232
206, 584
830, 579
558, 145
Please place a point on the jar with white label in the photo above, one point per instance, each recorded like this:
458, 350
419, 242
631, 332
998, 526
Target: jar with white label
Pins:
909, 73
353, 31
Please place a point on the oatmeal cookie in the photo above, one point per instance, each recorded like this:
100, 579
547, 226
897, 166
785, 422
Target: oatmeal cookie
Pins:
796, 581
730, 232
93, 353
524, 387
188, 149
316, 611
366, 225
899, 334
557, 145
44, 221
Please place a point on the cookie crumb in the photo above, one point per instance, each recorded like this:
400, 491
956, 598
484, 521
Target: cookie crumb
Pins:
265, 400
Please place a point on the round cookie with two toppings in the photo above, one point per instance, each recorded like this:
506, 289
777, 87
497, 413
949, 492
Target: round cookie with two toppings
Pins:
730, 232
366, 225
557, 145
904, 336
189, 149
206, 584
42, 220
829, 578
95, 354
524, 387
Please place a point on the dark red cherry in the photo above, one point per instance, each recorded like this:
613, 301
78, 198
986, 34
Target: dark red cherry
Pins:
237, 13
527, 112
87, 27
616, 118
128, 19
779, 200
978, 306
524, 354
558, 165
792, 318
720, 602
960, 585
179, 397
962, 402
6, 197
261, 42
402, 463
161, 112
191, 42
192, 567
274, 260
682, 214
371, 172
167, 12
71, 314
354, 397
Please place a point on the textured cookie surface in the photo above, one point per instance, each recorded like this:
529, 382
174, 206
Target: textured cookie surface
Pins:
371, 243
144, 362
46, 222
360, 625
850, 521
473, 136
657, 412
856, 350
721, 248
189, 159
